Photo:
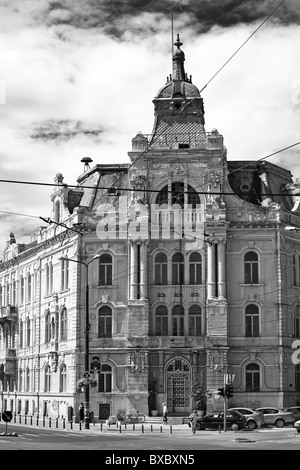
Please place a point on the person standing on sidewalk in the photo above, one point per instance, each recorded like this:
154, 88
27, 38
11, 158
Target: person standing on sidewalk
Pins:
81, 412
165, 413
193, 419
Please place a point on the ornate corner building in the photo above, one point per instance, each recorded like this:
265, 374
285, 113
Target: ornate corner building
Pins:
192, 264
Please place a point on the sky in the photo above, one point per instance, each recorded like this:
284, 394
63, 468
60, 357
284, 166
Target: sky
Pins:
77, 79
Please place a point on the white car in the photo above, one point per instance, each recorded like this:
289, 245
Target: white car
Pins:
297, 425
276, 416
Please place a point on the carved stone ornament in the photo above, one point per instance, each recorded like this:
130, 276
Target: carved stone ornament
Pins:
53, 360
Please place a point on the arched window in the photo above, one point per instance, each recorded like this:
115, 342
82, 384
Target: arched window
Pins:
47, 378
161, 269
252, 378
195, 268
161, 321
20, 380
105, 270
64, 274
294, 269
177, 195
252, 321
105, 379
27, 380
29, 287
251, 267
63, 378
63, 324
47, 326
195, 320
13, 335
7, 293
178, 320
21, 334
49, 278
105, 322
178, 269
297, 321
28, 332
13, 292
22, 290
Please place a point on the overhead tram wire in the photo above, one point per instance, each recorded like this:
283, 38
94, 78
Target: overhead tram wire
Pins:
130, 189
158, 135
218, 71
251, 35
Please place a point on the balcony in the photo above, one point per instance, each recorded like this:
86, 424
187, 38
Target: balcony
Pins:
9, 313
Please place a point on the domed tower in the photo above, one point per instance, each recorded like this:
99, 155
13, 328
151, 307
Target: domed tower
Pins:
179, 111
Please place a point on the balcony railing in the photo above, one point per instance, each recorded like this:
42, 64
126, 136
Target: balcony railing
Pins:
173, 140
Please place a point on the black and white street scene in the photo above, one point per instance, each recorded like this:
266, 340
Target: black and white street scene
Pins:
149, 228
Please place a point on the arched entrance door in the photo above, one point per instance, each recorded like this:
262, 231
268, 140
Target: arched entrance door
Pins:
178, 376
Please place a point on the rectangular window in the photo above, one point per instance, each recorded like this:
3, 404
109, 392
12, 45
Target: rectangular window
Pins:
251, 272
195, 325
161, 274
252, 326
161, 325
105, 326
178, 326
105, 382
105, 274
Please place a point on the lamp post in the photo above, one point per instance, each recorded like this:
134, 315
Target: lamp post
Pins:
87, 342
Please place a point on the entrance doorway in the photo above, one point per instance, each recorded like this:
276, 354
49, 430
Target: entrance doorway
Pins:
178, 376
104, 410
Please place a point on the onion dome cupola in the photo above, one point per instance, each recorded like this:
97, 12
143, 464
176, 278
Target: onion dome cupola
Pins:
178, 109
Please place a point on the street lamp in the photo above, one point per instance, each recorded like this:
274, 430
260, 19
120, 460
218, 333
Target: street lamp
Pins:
87, 342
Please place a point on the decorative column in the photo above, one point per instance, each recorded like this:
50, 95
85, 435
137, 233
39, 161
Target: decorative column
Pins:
144, 269
221, 269
211, 273
133, 269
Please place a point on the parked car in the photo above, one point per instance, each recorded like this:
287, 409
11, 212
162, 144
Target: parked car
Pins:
111, 420
255, 419
215, 420
276, 416
297, 425
295, 410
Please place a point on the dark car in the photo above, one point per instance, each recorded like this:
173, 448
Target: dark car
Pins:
215, 420
254, 418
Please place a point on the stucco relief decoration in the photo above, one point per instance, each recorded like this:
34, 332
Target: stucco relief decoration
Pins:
104, 299
53, 360
138, 181
161, 294
137, 360
37, 363
178, 173
195, 293
216, 360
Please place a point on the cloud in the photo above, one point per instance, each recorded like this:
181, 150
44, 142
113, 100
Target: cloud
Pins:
63, 131
80, 78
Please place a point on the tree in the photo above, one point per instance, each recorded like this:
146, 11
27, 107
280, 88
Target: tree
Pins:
198, 396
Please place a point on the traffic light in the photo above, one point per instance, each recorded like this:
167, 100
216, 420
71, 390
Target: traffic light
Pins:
221, 392
229, 391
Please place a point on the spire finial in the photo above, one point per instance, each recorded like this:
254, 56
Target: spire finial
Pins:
178, 60
178, 43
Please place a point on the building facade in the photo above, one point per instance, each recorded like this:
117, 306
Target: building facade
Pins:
191, 264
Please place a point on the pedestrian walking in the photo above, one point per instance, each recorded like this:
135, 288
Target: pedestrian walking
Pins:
193, 420
165, 413
81, 412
